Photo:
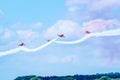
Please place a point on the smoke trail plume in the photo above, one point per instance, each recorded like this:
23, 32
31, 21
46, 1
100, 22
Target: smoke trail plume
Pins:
74, 42
115, 32
26, 49
97, 34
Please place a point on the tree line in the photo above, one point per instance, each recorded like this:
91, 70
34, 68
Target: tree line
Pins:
105, 76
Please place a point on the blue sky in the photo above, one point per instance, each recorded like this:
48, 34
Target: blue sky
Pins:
34, 22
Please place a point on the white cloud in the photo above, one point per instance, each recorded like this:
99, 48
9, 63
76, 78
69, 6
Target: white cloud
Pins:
1, 13
29, 37
1, 30
20, 32
101, 25
66, 27
60, 59
74, 2
94, 4
103, 4
72, 29
6, 34
22, 26
92, 9
37, 25
52, 59
69, 58
27, 34
73, 9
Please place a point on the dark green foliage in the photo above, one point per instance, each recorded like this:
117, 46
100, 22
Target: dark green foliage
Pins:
107, 76
25, 77
69, 78
35, 78
104, 78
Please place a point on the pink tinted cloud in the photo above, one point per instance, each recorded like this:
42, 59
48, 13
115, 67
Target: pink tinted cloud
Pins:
100, 25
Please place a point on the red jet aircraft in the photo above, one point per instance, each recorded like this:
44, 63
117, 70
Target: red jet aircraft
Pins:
48, 40
87, 32
61, 35
21, 44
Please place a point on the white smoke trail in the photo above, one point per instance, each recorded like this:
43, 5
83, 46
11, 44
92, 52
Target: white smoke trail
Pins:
10, 51
22, 48
115, 32
98, 34
74, 42
38, 48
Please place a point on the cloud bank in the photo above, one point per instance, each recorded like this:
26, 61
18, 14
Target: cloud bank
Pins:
93, 9
57, 59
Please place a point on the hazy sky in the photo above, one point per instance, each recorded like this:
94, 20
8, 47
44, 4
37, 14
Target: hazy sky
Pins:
35, 21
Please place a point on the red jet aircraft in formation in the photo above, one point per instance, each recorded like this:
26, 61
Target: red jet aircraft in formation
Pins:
21, 44
87, 32
48, 40
61, 35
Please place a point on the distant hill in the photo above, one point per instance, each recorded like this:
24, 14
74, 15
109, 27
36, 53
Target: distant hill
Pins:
105, 76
